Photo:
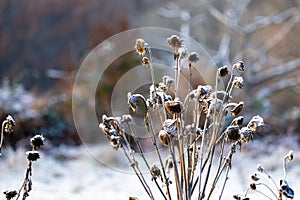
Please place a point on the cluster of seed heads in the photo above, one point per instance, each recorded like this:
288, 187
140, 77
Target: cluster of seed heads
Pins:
36, 142
190, 129
265, 185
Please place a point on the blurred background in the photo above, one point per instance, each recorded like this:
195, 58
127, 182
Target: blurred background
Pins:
42, 44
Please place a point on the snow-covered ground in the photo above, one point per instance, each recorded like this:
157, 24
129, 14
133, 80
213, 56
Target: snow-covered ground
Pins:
78, 172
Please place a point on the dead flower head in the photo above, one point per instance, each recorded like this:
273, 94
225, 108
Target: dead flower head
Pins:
290, 156
238, 82
239, 66
193, 58
255, 177
164, 137
174, 41
137, 102
255, 122
32, 155
246, 135
253, 186
155, 172
285, 189
223, 71
9, 124
237, 109
37, 141
174, 107
10, 194
232, 134
238, 121
145, 60
140, 46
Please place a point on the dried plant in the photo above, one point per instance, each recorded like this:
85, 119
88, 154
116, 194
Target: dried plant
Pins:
36, 142
265, 185
200, 144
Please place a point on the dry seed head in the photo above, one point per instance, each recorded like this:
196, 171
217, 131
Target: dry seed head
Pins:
145, 60
155, 172
37, 141
237, 109
253, 186
32, 155
133, 198
9, 124
174, 41
140, 46
137, 102
285, 189
239, 66
203, 91
193, 57
238, 121
174, 107
290, 156
164, 137
223, 71
10, 194
260, 168
255, 122
255, 177
246, 135
232, 134
238, 82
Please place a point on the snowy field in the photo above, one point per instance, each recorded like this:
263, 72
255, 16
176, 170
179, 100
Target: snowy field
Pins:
78, 172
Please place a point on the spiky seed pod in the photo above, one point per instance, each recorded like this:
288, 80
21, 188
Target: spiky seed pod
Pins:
164, 137
174, 107
237, 109
140, 46
232, 134
223, 71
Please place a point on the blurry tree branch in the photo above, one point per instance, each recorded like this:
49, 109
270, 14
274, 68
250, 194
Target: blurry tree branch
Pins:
276, 72
240, 38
